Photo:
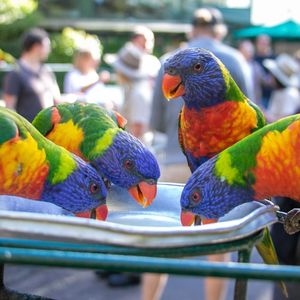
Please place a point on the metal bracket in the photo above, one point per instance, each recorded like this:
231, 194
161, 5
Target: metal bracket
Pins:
290, 220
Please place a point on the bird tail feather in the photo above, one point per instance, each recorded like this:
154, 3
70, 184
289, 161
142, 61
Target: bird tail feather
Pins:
267, 251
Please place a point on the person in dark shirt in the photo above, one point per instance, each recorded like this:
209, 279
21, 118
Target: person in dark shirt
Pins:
264, 51
31, 86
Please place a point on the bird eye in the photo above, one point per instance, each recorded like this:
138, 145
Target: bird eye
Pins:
107, 183
197, 67
195, 197
94, 188
171, 71
128, 164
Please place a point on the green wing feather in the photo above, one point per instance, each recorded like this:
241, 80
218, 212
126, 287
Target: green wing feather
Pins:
43, 122
96, 123
8, 129
180, 138
238, 171
267, 251
233, 92
55, 155
261, 120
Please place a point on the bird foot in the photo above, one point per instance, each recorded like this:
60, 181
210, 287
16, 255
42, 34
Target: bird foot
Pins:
292, 221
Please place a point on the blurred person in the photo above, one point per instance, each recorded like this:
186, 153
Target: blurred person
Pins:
285, 98
85, 63
136, 69
257, 76
83, 81
208, 31
263, 45
296, 55
263, 50
31, 86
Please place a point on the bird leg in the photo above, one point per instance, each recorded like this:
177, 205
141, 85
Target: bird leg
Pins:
197, 221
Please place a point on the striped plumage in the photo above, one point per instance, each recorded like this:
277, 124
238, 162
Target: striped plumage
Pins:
96, 135
264, 164
33, 167
216, 114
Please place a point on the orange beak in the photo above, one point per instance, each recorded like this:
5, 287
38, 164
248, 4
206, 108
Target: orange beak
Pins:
98, 213
208, 221
172, 86
187, 218
144, 193
101, 212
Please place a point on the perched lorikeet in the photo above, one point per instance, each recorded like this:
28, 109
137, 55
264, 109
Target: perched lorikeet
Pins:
33, 167
97, 136
215, 114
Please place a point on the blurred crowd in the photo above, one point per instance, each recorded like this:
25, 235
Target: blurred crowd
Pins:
271, 80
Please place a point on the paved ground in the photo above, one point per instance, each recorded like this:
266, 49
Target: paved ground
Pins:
71, 284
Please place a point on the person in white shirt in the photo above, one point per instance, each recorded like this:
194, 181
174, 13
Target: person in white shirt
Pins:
285, 99
136, 70
83, 82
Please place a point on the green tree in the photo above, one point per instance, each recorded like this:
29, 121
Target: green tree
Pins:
64, 44
16, 16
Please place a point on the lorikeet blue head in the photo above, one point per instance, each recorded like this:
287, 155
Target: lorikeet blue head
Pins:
210, 197
196, 75
82, 192
129, 164
35, 168
98, 136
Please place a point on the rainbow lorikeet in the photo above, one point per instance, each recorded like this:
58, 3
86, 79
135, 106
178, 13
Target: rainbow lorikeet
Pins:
33, 167
264, 164
97, 136
215, 114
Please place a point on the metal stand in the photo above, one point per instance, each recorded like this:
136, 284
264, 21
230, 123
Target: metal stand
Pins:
131, 259
240, 288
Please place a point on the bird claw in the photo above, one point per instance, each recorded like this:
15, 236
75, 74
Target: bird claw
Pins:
292, 221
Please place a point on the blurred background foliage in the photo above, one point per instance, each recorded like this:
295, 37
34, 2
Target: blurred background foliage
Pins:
17, 16
66, 42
